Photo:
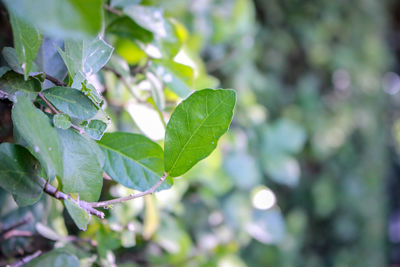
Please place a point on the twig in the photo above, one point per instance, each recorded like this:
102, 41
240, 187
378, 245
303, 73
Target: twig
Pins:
55, 80
54, 110
141, 69
113, 10
26, 259
52, 191
16, 233
130, 197
125, 82
19, 223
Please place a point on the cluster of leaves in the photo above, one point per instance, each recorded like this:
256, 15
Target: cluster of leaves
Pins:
64, 139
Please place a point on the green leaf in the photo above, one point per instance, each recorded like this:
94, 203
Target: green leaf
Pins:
62, 121
82, 167
10, 56
282, 169
34, 127
176, 76
133, 160
194, 128
12, 84
4, 70
62, 19
80, 217
54, 258
71, 101
19, 173
85, 58
95, 129
125, 27
150, 18
27, 41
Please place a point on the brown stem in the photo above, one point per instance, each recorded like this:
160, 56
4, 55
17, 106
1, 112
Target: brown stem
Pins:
26, 259
130, 197
55, 80
54, 110
113, 10
19, 223
52, 191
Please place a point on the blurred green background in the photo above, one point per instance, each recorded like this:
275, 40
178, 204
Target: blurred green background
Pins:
308, 174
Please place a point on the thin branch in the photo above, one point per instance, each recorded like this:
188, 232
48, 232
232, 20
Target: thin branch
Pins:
141, 69
113, 10
54, 110
52, 191
130, 197
19, 223
55, 80
125, 82
26, 259
16, 233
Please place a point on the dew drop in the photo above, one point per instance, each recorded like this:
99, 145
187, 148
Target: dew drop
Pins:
36, 148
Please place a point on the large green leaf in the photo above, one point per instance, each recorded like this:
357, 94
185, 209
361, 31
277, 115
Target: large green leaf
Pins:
12, 83
62, 18
80, 217
82, 169
19, 173
55, 258
194, 128
27, 41
176, 76
85, 58
71, 101
133, 160
42, 139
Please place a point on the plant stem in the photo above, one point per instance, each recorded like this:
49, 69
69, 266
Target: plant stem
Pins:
125, 82
130, 197
113, 10
52, 191
53, 109
26, 259
55, 80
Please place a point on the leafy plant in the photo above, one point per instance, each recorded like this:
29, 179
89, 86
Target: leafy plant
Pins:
64, 142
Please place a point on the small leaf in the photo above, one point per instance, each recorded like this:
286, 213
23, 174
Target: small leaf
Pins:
133, 160
13, 83
62, 19
82, 167
10, 56
35, 129
80, 217
54, 258
194, 128
27, 41
71, 101
176, 76
18, 172
85, 58
125, 27
95, 129
62, 121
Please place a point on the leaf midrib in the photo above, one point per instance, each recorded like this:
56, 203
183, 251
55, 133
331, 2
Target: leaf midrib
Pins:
126, 156
194, 133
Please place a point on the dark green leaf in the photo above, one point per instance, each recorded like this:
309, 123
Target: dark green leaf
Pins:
27, 41
19, 173
80, 217
71, 101
85, 58
55, 258
42, 139
13, 84
133, 160
125, 27
176, 76
194, 128
82, 167
62, 121
10, 55
4, 70
62, 18
95, 129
